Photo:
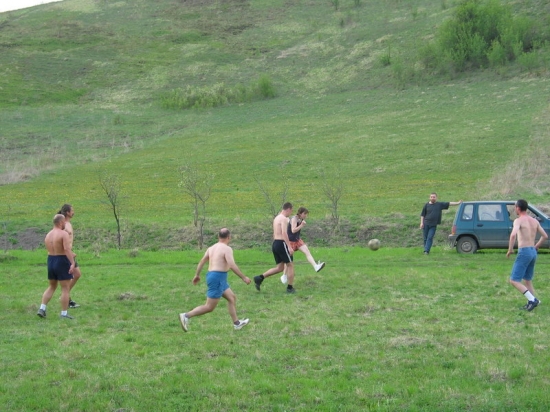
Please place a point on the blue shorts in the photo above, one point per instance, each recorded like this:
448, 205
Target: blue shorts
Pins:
217, 284
524, 266
58, 267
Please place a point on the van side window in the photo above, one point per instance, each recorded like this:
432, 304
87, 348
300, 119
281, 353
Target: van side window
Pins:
467, 212
490, 213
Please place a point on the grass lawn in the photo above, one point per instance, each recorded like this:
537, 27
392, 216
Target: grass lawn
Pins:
375, 331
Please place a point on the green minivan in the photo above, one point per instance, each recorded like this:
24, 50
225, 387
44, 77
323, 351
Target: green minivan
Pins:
487, 224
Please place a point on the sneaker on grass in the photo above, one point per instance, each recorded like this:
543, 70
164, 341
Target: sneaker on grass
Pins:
41, 313
532, 305
242, 324
184, 320
320, 265
258, 282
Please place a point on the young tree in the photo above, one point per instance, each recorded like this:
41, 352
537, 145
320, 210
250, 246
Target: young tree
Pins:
111, 186
274, 206
5, 225
198, 186
333, 189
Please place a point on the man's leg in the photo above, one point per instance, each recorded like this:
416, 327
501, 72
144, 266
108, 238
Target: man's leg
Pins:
429, 238
48, 293
65, 289
273, 271
76, 276
208, 307
305, 250
529, 286
231, 304
290, 275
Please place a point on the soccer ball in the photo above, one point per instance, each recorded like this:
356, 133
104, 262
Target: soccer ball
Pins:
374, 244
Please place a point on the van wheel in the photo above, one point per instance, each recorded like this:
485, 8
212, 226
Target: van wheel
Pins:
466, 244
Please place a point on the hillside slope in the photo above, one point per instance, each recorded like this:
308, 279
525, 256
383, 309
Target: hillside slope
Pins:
82, 84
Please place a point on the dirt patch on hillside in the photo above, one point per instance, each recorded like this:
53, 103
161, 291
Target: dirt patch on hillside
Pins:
28, 239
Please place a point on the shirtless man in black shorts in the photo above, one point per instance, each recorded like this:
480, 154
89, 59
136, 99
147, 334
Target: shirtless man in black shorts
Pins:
68, 211
282, 250
60, 266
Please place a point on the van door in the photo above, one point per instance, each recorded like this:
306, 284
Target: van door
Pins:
492, 225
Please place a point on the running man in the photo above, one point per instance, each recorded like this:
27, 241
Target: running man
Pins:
68, 211
220, 260
282, 250
526, 229
61, 265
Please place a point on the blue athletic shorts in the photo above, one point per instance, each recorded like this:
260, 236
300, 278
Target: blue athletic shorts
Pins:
524, 266
58, 267
217, 284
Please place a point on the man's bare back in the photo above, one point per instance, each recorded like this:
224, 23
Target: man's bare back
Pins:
526, 228
220, 257
57, 242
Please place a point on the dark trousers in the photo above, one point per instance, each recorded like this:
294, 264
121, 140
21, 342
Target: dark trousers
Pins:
429, 233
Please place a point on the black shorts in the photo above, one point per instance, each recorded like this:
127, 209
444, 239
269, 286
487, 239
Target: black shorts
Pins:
58, 267
281, 252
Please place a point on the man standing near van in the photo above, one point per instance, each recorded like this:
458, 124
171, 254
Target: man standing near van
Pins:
431, 217
525, 228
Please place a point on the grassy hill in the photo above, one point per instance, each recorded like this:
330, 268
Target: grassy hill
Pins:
82, 85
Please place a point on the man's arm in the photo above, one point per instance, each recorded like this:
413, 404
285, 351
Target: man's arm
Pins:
294, 225
67, 249
233, 266
204, 259
512, 241
543, 236
284, 224
422, 215
455, 203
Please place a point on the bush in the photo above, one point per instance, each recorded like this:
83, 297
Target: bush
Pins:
265, 87
496, 54
217, 95
480, 34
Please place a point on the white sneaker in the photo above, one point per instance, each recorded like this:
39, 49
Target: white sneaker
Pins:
242, 324
284, 279
184, 322
319, 266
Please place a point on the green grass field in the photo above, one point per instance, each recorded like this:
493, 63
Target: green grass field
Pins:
374, 331
82, 85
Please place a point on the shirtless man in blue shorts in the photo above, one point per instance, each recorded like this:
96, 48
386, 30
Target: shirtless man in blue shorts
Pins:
526, 229
282, 250
220, 260
60, 266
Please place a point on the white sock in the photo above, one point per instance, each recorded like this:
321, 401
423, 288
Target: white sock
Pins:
63, 313
529, 296
42, 306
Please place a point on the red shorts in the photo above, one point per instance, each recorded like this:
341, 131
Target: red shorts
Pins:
296, 245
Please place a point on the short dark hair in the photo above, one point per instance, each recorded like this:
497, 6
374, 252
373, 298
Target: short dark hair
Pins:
224, 233
522, 204
287, 205
65, 209
302, 210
